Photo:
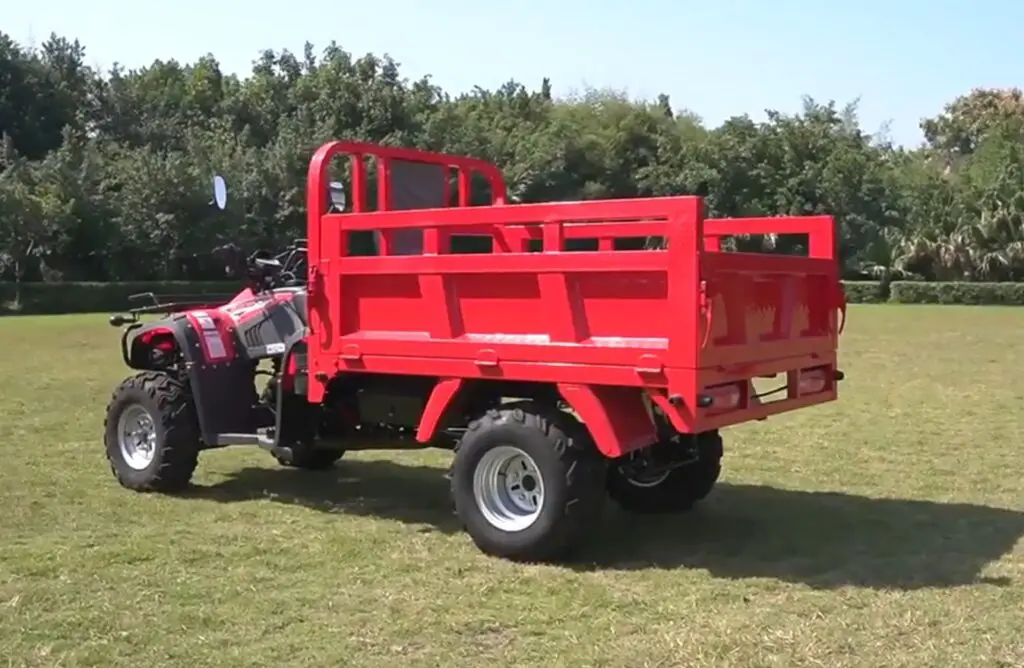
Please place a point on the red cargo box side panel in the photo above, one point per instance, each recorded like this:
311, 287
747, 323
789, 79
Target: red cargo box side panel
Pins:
545, 317
585, 309
611, 318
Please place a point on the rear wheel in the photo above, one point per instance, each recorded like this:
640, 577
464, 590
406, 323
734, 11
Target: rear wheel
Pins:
527, 482
151, 435
661, 489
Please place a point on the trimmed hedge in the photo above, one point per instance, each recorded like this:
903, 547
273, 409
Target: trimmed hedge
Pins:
866, 292
915, 292
53, 298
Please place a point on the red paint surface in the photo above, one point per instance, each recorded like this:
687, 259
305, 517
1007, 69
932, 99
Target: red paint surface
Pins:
670, 323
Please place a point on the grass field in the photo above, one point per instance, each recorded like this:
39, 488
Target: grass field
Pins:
882, 530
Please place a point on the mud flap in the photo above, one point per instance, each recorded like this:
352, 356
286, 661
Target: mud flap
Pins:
221, 383
294, 387
224, 398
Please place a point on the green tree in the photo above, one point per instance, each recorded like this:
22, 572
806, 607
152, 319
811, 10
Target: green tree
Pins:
106, 176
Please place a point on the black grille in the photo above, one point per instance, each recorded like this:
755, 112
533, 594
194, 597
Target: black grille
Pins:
252, 336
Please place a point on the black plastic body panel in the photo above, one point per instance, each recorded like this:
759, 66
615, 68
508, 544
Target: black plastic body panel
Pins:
223, 392
266, 325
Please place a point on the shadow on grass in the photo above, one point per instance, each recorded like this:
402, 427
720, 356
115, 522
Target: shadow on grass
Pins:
409, 494
820, 539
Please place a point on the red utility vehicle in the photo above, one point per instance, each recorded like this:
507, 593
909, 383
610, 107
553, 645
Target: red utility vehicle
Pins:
558, 366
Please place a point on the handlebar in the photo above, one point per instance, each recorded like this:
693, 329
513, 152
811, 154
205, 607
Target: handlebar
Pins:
281, 270
265, 271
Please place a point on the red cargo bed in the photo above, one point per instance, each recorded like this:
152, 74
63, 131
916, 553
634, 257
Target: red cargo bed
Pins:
691, 325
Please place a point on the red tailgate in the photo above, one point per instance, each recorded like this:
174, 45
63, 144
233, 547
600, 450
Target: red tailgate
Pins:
768, 315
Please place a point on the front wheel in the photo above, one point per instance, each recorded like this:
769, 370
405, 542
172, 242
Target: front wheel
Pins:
671, 490
527, 482
151, 435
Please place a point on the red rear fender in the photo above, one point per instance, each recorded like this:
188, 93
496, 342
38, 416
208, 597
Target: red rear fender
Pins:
441, 397
616, 417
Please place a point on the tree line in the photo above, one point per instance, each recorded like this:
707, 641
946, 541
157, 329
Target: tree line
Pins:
106, 176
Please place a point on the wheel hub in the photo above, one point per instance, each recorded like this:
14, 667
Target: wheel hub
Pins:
646, 478
508, 488
136, 437
653, 467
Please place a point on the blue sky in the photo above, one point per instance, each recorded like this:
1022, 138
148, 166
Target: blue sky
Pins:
904, 59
